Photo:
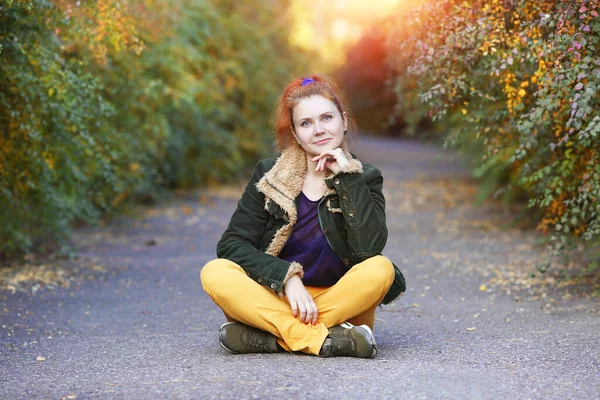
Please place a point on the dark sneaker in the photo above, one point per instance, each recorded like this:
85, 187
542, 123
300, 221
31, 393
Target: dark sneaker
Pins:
236, 337
350, 341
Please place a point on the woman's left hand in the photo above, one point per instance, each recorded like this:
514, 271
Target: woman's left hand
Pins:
334, 160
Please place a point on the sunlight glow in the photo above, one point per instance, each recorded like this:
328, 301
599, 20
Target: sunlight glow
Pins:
330, 27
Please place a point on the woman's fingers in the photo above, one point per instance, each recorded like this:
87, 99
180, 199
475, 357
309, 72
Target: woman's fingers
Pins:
312, 312
306, 310
302, 309
315, 313
303, 305
323, 155
322, 164
294, 306
309, 313
330, 159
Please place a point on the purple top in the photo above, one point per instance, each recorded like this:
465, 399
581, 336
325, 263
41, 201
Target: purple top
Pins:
308, 246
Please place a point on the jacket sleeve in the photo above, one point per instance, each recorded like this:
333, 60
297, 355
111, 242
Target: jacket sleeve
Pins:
240, 243
363, 208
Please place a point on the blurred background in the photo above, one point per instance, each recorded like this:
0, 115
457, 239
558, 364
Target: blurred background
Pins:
111, 102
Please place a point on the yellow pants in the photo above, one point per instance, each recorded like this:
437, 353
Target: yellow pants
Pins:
353, 298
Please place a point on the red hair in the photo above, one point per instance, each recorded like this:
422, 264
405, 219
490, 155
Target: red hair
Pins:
291, 96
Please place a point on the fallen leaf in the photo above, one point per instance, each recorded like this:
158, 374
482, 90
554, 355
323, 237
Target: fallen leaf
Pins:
471, 329
187, 210
482, 288
40, 358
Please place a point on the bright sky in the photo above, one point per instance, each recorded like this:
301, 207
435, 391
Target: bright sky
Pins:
328, 27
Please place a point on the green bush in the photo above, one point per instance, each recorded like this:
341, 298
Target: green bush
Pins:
515, 86
103, 100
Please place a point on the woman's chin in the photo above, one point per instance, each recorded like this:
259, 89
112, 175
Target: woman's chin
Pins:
329, 145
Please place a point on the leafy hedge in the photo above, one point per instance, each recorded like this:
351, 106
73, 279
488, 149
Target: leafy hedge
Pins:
515, 85
103, 100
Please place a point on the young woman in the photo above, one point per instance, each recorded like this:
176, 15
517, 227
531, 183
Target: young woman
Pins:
300, 265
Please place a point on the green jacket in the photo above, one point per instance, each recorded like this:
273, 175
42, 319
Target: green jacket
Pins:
351, 214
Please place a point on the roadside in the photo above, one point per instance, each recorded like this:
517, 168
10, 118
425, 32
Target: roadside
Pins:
133, 322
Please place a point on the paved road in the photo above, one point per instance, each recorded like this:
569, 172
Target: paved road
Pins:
134, 322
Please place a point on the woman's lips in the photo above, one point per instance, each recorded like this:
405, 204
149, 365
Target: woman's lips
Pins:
322, 141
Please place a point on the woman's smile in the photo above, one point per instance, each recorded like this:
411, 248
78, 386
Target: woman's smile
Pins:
322, 141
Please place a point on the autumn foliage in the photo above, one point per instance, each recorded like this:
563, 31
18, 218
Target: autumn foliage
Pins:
101, 101
515, 85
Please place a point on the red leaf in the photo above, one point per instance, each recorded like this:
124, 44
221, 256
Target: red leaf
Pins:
583, 9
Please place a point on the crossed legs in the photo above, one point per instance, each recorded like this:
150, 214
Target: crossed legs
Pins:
353, 298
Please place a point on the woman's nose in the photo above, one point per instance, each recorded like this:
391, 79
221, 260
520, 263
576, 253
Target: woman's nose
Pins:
318, 127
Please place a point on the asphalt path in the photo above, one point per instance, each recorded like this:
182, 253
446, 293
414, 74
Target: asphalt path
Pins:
134, 322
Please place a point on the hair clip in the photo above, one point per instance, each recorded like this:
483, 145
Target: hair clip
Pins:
307, 81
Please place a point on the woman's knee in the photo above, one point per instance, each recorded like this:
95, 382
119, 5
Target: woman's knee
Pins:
381, 270
213, 273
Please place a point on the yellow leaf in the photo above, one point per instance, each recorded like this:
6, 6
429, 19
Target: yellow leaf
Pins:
482, 288
40, 358
134, 167
464, 111
522, 93
471, 329
187, 210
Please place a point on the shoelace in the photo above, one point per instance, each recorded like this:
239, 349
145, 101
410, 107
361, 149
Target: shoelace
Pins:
342, 344
255, 340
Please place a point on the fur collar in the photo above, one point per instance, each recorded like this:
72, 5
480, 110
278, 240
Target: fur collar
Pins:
284, 182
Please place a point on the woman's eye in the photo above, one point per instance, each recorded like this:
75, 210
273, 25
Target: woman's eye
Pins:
304, 123
327, 117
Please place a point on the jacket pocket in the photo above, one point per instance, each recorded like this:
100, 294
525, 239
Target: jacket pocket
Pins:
333, 204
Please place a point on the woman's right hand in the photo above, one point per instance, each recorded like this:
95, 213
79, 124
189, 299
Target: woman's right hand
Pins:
302, 303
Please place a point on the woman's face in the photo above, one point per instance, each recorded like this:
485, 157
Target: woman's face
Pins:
318, 124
